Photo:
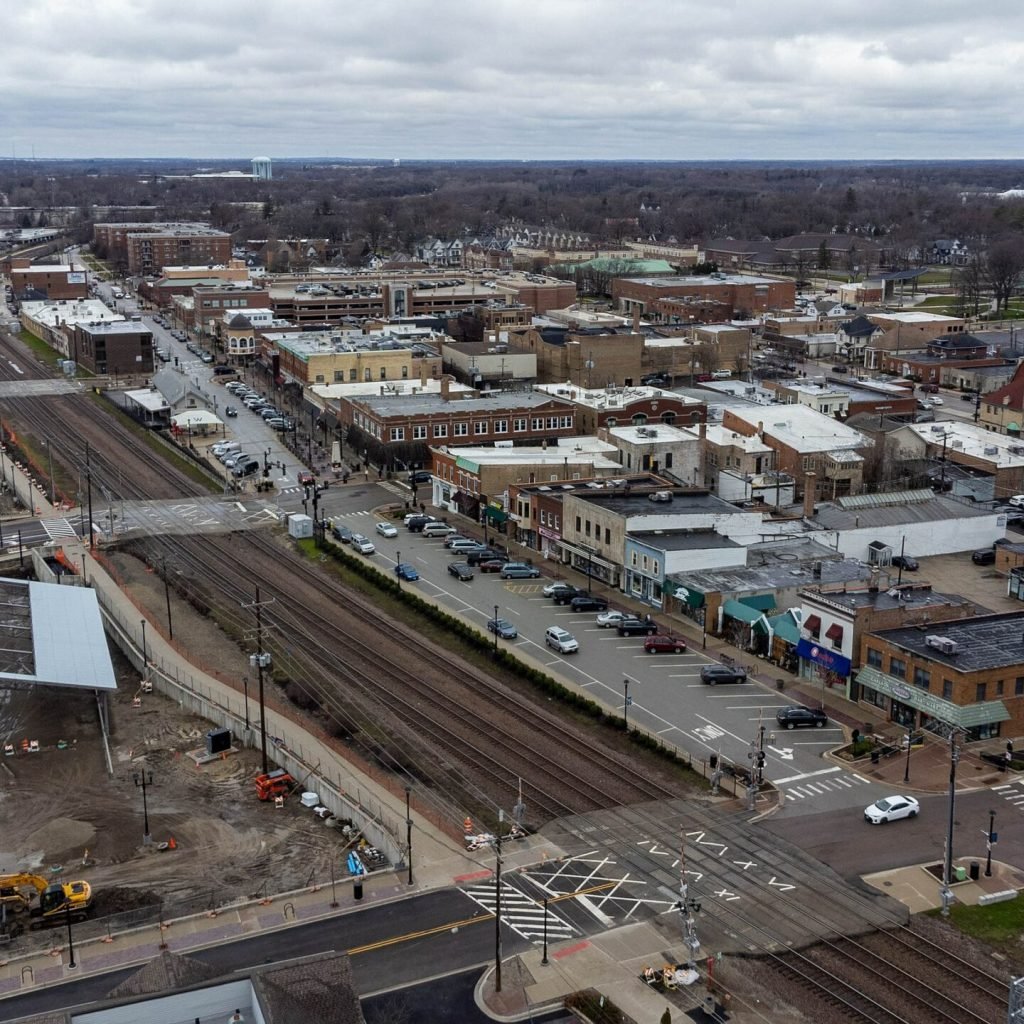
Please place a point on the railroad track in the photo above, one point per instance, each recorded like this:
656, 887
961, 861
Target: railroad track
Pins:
443, 698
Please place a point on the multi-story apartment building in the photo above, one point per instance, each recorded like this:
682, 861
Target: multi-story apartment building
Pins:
966, 675
119, 348
146, 248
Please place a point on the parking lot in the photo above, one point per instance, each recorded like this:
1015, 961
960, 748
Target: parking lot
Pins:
666, 695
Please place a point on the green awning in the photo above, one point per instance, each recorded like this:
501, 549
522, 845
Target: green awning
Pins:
1015, 427
785, 628
964, 716
689, 596
762, 602
495, 515
743, 612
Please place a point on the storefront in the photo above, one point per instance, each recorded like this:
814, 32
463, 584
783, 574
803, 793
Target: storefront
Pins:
550, 543
822, 666
587, 562
913, 708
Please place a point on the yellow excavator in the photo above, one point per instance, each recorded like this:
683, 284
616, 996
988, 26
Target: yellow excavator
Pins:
56, 900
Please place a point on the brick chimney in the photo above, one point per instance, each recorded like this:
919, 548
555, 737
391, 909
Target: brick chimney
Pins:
636, 319
445, 387
809, 494
423, 373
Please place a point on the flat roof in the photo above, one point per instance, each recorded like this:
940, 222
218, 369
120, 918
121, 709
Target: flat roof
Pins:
681, 540
69, 311
148, 398
657, 433
115, 327
497, 402
804, 429
988, 641
911, 597
915, 317
716, 434
402, 388
682, 503
53, 635
312, 343
772, 577
968, 439
610, 398
702, 280
571, 449
894, 509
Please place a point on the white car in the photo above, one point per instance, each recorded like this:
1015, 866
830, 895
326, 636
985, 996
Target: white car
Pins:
610, 619
386, 530
891, 808
935, 400
362, 544
1017, 501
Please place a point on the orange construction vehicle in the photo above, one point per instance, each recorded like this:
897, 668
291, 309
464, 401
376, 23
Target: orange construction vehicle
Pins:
273, 784
56, 900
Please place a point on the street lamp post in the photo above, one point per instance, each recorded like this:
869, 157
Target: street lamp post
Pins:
408, 831
71, 942
398, 562
143, 780
145, 656
906, 770
626, 701
245, 690
544, 958
989, 840
495, 630
53, 486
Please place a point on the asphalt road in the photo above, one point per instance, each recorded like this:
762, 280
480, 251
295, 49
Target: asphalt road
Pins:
667, 696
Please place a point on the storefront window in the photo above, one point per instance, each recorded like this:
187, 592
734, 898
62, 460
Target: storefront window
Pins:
903, 715
875, 699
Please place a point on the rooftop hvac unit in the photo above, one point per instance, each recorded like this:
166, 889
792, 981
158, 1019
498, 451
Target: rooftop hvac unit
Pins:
660, 496
991, 449
956, 444
652, 431
937, 428
942, 643
1015, 449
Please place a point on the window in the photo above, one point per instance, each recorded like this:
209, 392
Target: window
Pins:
579, 524
813, 625
1018, 687
632, 559
874, 659
367, 374
586, 528
352, 374
519, 424
558, 522
611, 421
480, 427
419, 433
607, 535
922, 678
538, 422
405, 373
501, 426
460, 429
808, 462
440, 430
668, 460
981, 691
339, 376
999, 688
565, 422
319, 378
398, 433
383, 373
552, 423
947, 689
656, 569
644, 562
898, 668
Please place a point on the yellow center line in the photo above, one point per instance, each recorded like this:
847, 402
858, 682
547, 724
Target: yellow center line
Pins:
466, 921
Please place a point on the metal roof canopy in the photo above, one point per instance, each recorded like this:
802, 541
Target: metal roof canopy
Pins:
67, 641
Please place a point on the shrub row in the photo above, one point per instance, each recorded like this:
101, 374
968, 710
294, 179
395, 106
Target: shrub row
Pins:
484, 644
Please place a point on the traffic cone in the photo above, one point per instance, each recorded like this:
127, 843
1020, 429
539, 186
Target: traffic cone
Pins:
468, 826
171, 844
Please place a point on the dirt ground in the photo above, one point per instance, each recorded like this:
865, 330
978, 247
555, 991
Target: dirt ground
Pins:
63, 816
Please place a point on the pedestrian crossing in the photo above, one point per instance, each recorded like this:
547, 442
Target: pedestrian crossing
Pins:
808, 790
1012, 792
58, 529
522, 914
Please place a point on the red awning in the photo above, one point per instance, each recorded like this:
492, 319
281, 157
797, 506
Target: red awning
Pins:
812, 623
835, 632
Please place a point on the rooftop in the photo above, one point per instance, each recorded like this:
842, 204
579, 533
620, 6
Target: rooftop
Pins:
999, 450
914, 317
912, 597
893, 509
394, 388
681, 540
468, 403
609, 398
804, 429
772, 577
69, 311
570, 451
309, 343
684, 502
658, 433
985, 642
681, 282
115, 327
752, 445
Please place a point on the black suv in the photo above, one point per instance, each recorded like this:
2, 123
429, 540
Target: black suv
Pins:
984, 556
637, 627
588, 603
416, 523
482, 554
712, 674
566, 592
798, 715
905, 562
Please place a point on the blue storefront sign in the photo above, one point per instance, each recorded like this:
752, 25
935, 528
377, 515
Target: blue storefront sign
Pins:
822, 656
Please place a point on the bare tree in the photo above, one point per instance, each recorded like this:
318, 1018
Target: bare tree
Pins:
968, 281
1003, 267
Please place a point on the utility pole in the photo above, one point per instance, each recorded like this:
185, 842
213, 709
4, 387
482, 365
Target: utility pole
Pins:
990, 838
947, 867
626, 701
260, 660
497, 904
167, 598
687, 908
88, 487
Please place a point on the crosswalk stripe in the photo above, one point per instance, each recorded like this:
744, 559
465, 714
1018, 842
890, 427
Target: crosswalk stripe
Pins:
57, 528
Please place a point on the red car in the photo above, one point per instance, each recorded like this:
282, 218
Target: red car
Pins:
306, 479
661, 644
492, 565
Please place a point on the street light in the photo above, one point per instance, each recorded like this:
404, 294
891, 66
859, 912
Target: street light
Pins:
408, 831
626, 701
145, 657
906, 771
495, 630
71, 942
245, 690
144, 779
398, 562
53, 486
989, 840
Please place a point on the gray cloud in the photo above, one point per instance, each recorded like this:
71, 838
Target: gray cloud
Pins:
659, 79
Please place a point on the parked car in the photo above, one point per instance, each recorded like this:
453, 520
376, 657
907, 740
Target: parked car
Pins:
464, 546
891, 808
492, 565
221, 371
588, 603
839, 369
386, 530
405, 571
612, 618
270, 413
560, 586
281, 423
484, 554
453, 537
560, 640
905, 562
984, 556
930, 389
341, 533
656, 380
362, 544
630, 625
923, 404
415, 524
461, 571
421, 476
519, 571
436, 529
967, 396
798, 715
1017, 501
935, 400
715, 674
245, 467
503, 628
660, 643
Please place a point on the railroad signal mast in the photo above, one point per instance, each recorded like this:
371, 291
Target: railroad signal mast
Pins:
687, 908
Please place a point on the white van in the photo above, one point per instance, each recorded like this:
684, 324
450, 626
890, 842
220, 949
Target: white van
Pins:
437, 530
721, 375
225, 448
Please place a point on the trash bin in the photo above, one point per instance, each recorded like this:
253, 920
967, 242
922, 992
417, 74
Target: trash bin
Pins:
975, 871
357, 890
713, 761
874, 757
960, 874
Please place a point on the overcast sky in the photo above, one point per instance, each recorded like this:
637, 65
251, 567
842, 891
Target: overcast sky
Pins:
547, 79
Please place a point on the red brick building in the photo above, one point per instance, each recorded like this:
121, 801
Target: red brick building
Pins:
722, 294
47, 280
146, 248
118, 347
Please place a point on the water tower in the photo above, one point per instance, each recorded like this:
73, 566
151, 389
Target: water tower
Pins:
261, 169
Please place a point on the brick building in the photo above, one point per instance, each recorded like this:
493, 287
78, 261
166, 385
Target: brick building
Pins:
589, 358
47, 280
638, 406
146, 248
731, 294
118, 348
967, 674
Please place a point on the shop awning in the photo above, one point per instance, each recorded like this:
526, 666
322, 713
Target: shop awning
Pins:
786, 628
965, 716
812, 623
835, 632
1013, 428
495, 515
742, 612
763, 602
688, 596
